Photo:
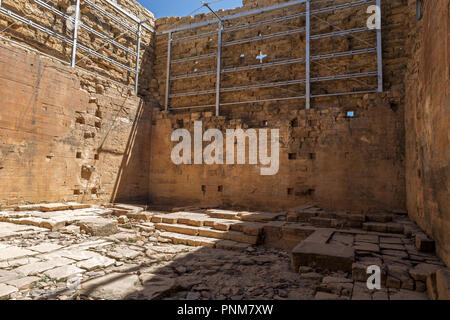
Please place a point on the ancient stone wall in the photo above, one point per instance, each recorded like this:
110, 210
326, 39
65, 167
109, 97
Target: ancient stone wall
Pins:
68, 135
93, 18
427, 123
326, 157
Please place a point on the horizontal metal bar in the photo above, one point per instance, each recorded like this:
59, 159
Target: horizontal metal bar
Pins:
235, 16
269, 36
202, 35
278, 84
341, 6
339, 33
278, 99
343, 54
194, 75
53, 9
35, 25
56, 35
106, 38
263, 100
342, 93
276, 63
345, 76
194, 107
112, 17
315, 11
63, 62
193, 93
98, 55
128, 14
97, 33
204, 56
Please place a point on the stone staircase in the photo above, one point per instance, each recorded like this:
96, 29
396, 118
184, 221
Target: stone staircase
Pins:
224, 229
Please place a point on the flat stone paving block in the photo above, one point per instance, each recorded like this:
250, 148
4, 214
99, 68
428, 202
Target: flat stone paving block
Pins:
13, 252
6, 291
64, 272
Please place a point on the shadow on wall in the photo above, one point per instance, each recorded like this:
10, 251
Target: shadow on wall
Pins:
132, 180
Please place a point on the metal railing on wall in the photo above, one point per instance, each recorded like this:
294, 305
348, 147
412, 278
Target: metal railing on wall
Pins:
75, 43
306, 60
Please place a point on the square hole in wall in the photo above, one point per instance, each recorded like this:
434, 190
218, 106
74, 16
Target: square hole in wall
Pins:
76, 192
312, 156
96, 157
80, 120
294, 123
78, 156
180, 123
292, 156
220, 188
290, 191
265, 123
203, 188
350, 114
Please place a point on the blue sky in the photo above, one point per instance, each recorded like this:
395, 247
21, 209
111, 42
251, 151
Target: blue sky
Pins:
167, 8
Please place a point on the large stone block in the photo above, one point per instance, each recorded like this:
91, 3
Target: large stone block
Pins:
322, 256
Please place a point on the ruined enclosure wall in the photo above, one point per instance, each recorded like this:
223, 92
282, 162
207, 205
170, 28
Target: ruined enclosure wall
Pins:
67, 134
325, 157
93, 18
427, 123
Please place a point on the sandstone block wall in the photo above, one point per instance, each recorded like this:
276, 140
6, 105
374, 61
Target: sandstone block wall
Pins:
427, 123
93, 18
326, 158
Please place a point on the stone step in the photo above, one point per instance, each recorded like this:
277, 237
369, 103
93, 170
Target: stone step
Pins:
208, 232
223, 214
389, 227
204, 220
199, 241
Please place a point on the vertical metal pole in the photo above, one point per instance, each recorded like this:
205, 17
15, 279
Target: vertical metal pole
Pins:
379, 49
308, 55
219, 66
138, 52
169, 62
75, 33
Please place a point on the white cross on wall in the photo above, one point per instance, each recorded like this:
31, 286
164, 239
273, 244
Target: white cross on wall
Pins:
261, 57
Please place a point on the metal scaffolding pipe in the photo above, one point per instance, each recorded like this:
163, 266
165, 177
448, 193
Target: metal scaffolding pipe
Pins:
136, 81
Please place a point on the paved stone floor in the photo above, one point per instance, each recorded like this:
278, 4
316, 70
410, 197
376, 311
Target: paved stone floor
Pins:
103, 256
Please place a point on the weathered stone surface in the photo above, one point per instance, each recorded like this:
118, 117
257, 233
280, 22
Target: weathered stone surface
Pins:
14, 252
95, 263
323, 256
39, 267
98, 226
6, 291
422, 271
45, 247
54, 207
423, 243
443, 284
23, 283
155, 287
6, 276
64, 272
370, 247
114, 286
407, 295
